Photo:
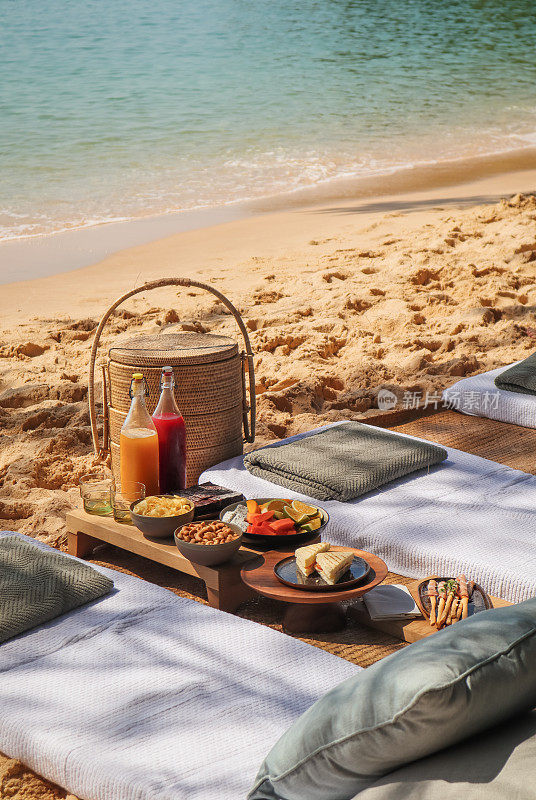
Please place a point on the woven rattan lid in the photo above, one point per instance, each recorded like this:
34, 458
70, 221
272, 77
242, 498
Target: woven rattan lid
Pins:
174, 349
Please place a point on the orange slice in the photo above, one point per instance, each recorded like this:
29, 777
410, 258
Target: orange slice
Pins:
298, 518
277, 505
303, 508
312, 525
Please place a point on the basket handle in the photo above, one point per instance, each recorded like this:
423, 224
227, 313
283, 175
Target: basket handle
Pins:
248, 412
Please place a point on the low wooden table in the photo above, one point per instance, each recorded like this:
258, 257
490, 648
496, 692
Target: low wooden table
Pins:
308, 612
225, 588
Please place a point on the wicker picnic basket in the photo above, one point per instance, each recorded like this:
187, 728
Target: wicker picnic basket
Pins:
210, 386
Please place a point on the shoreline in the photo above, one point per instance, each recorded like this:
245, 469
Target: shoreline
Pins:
49, 254
206, 252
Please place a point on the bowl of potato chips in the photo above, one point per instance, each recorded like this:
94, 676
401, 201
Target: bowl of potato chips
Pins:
160, 515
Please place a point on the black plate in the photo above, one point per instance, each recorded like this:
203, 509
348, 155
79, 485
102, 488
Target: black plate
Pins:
277, 541
287, 572
478, 599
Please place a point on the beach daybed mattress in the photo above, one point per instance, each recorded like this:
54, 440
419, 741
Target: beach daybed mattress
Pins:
478, 396
466, 514
143, 695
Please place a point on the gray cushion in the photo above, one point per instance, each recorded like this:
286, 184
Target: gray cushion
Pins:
520, 378
342, 462
38, 585
428, 696
494, 765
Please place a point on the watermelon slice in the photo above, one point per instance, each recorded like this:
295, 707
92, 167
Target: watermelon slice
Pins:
261, 530
283, 525
259, 518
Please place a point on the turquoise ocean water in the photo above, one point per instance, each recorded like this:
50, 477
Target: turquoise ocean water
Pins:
112, 109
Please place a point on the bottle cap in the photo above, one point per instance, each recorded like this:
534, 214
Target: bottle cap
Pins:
167, 370
137, 376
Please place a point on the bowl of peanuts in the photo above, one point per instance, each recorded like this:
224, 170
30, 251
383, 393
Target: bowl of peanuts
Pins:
208, 542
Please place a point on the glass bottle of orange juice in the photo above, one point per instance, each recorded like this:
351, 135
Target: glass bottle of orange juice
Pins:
139, 442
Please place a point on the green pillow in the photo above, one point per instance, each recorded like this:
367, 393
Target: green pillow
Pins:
417, 701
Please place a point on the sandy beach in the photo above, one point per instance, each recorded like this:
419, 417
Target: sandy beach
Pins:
409, 292
359, 181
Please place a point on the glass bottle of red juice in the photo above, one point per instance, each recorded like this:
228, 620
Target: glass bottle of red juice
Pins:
171, 430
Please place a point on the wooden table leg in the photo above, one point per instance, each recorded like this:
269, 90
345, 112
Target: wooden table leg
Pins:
80, 544
229, 598
314, 618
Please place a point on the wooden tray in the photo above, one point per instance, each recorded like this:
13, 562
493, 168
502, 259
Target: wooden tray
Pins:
407, 630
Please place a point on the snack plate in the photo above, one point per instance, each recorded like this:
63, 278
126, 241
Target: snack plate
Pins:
292, 538
478, 599
287, 572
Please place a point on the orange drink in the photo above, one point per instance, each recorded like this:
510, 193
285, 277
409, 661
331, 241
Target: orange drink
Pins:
139, 458
139, 454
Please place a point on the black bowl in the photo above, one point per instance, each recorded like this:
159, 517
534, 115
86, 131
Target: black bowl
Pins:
278, 540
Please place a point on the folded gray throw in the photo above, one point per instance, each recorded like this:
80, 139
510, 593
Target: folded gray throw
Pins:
342, 462
37, 585
520, 378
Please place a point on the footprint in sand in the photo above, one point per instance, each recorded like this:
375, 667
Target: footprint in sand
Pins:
15, 509
263, 296
288, 343
481, 273
31, 349
357, 304
341, 276
424, 276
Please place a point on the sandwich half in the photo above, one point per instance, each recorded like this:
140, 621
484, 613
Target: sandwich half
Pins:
306, 557
332, 565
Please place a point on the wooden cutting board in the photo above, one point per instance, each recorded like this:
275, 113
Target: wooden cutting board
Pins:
407, 630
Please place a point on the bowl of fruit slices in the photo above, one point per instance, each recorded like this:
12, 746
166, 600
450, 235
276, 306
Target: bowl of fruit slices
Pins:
276, 521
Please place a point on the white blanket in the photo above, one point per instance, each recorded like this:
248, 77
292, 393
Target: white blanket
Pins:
146, 696
467, 514
479, 397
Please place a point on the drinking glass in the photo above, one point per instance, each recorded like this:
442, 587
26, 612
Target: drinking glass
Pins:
121, 496
95, 494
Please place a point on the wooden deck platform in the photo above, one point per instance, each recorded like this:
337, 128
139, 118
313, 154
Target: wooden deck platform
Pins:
499, 441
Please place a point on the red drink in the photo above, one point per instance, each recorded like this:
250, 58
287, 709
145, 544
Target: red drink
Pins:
171, 430
172, 451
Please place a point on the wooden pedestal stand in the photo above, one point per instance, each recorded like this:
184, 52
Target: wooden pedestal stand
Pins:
309, 612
